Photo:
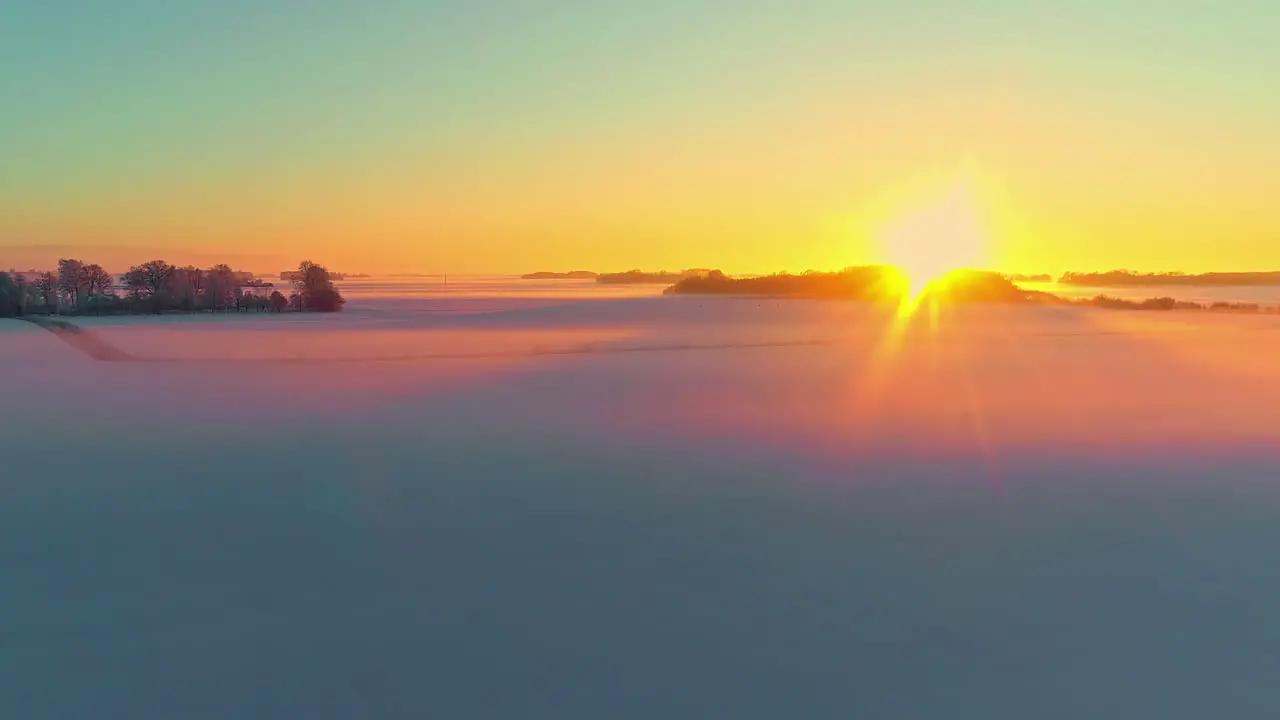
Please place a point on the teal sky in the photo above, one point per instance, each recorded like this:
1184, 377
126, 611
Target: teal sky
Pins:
490, 132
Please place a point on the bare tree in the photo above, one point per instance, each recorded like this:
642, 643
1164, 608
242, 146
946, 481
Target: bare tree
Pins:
310, 277
22, 291
187, 284
32, 296
149, 280
95, 281
71, 282
46, 288
222, 287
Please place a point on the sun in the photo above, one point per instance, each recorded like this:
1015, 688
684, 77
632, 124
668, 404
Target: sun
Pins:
943, 235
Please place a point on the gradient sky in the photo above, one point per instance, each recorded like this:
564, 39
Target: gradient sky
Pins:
752, 135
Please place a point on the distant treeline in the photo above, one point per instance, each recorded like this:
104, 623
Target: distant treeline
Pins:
637, 277
870, 282
571, 275
1129, 278
287, 275
1168, 303
155, 287
1037, 278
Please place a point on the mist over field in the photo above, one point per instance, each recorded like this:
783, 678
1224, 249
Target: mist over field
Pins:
500, 500
850, 360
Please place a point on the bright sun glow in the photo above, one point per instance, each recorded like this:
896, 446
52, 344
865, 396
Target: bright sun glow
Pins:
941, 236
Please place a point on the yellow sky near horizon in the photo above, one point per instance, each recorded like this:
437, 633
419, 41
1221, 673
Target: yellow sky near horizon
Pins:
1060, 191
800, 213
757, 152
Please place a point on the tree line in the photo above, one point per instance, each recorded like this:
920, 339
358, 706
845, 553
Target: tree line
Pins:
156, 287
1128, 278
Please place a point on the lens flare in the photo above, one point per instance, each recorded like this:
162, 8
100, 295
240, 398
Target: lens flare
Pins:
941, 236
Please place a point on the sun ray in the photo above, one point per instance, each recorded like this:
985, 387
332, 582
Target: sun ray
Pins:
925, 247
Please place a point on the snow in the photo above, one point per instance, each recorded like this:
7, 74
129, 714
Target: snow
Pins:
638, 507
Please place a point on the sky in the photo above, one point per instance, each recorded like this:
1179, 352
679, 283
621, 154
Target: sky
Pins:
753, 135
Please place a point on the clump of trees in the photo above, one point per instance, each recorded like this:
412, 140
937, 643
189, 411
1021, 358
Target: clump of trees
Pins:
40, 293
859, 283
156, 287
314, 289
869, 282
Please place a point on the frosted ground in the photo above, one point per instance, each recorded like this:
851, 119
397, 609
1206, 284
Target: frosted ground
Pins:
563, 503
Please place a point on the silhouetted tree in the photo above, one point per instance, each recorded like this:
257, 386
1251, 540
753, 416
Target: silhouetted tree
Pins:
186, 285
222, 286
315, 288
46, 288
149, 280
95, 283
71, 282
278, 302
96, 280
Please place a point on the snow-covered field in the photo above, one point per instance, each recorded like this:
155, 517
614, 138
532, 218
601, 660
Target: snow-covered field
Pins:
534, 505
